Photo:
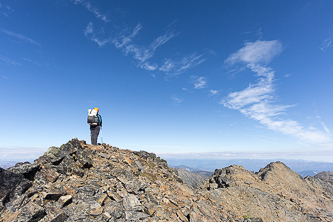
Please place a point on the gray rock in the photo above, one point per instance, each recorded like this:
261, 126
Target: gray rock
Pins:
31, 212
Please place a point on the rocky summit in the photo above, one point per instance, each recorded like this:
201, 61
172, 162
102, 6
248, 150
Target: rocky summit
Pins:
80, 182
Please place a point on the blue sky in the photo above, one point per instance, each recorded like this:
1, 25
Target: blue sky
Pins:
241, 78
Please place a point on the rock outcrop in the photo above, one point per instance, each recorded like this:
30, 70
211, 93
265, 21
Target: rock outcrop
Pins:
326, 176
80, 182
191, 178
275, 193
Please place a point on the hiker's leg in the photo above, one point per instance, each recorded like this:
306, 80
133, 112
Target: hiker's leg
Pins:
94, 134
97, 132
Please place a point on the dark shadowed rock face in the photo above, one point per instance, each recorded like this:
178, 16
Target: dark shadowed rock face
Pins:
80, 182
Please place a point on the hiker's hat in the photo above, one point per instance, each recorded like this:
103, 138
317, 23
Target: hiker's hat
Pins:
96, 109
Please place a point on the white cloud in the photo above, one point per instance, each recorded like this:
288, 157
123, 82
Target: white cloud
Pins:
100, 42
31, 61
9, 61
20, 36
5, 10
256, 101
92, 9
168, 66
213, 92
176, 100
89, 29
139, 52
123, 40
144, 53
200, 82
326, 43
89, 32
255, 92
323, 124
148, 66
256, 52
175, 67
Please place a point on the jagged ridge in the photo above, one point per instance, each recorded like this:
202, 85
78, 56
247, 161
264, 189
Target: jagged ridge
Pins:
80, 182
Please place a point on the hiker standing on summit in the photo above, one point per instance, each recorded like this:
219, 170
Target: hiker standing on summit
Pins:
95, 122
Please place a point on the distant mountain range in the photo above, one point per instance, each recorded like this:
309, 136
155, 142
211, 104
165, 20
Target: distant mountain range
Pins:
208, 166
7, 163
302, 167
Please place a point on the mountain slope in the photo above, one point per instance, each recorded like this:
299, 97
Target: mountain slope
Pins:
80, 182
98, 183
275, 193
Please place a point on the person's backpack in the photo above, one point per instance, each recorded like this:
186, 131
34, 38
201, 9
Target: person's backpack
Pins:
92, 119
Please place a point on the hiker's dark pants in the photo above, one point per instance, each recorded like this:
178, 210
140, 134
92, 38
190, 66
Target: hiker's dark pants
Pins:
94, 131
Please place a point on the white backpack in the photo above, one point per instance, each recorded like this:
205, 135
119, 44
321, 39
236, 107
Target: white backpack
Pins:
92, 119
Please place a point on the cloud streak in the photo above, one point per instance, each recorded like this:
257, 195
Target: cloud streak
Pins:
90, 33
256, 52
256, 101
326, 43
213, 92
20, 37
5, 10
143, 54
200, 82
176, 100
176, 67
9, 61
92, 9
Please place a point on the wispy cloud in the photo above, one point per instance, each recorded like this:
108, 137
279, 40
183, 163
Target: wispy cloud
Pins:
90, 33
20, 37
256, 101
323, 124
124, 39
144, 53
92, 9
326, 43
199, 82
9, 61
5, 10
176, 100
256, 52
148, 66
175, 67
213, 92
31, 61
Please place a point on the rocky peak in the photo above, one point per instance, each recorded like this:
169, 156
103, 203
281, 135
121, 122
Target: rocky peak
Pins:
326, 176
80, 182
231, 176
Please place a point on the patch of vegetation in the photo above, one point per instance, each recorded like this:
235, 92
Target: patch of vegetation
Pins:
149, 176
246, 217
